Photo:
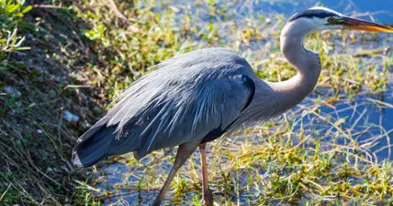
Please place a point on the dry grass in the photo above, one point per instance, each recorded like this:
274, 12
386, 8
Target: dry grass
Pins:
322, 152
325, 151
39, 52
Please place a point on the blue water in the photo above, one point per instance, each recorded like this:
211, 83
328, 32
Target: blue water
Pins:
378, 120
364, 121
378, 10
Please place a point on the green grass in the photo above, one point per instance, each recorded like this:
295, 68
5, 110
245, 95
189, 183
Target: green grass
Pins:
283, 166
35, 87
80, 56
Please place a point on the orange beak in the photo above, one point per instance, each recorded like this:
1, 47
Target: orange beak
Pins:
358, 24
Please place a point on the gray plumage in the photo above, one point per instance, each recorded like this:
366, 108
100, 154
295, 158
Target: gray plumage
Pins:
202, 93
316, 12
196, 97
182, 101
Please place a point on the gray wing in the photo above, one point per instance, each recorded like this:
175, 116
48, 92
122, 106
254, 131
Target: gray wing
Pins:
183, 101
187, 117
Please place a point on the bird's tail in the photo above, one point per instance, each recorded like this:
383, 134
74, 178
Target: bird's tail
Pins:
93, 145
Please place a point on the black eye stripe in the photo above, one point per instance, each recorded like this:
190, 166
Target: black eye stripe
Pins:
319, 13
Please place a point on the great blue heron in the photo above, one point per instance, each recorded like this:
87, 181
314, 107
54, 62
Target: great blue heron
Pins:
196, 97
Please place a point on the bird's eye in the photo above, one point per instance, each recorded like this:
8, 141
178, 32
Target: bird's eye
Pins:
331, 20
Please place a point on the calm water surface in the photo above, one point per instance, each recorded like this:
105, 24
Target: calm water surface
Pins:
381, 10
361, 110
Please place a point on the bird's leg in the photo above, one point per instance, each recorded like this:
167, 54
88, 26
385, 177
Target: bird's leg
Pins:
207, 194
183, 153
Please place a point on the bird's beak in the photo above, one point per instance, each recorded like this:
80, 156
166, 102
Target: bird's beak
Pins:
359, 24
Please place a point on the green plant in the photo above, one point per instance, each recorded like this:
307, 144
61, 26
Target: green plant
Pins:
11, 14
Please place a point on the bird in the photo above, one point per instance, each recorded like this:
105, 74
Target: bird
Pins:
194, 98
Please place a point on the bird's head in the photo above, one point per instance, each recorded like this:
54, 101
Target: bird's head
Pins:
320, 18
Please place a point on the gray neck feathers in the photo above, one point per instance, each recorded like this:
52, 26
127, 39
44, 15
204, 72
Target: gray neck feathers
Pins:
272, 99
306, 62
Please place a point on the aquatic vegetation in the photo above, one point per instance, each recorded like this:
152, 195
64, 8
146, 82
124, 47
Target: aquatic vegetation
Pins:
302, 159
328, 150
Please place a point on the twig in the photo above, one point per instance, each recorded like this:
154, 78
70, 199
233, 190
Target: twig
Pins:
88, 186
112, 6
375, 101
372, 52
118, 14
77, 86
5, 192
43, 6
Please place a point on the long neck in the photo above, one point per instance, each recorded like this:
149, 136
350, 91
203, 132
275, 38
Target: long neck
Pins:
290, 92
274, 98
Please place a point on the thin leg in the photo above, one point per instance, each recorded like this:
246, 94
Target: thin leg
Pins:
207, 194
183, 153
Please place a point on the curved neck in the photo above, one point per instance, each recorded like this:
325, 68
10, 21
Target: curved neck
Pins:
290, 92
274, 98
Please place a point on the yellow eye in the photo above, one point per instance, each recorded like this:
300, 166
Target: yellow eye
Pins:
331, 20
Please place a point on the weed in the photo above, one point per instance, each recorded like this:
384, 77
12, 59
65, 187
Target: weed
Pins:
79, 56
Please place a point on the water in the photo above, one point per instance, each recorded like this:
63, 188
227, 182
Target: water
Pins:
380, 10
362, 115
364, 118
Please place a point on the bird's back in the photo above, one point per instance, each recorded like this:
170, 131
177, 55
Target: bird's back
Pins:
182, 101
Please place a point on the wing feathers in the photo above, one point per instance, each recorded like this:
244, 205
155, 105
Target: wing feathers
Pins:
181, 102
